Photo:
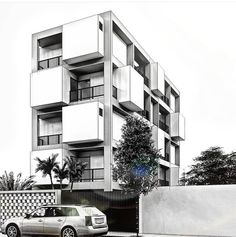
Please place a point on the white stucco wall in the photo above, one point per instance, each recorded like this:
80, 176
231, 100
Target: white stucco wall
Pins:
190, 210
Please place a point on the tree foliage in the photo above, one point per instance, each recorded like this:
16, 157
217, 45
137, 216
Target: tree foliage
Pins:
61, 173
75, 170
136, 158
213, 166
46, 166
8, 182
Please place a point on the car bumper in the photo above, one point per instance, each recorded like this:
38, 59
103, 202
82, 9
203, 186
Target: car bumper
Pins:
94, 231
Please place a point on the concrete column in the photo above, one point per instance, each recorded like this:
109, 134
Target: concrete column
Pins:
130, 55
108, 123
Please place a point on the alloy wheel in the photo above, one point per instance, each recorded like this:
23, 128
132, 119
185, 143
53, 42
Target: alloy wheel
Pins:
68, 232
12, 231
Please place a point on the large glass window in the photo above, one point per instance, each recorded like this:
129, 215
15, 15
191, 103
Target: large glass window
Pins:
119, 49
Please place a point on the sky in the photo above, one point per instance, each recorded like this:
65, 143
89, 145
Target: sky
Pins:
195, 42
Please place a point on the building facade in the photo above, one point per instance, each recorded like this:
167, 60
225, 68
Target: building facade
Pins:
88, 75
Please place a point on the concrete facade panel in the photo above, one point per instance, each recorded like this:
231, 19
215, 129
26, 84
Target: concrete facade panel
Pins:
82, 123
81, 38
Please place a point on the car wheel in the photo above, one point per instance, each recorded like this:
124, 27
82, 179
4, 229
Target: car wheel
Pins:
68, 232
13, 231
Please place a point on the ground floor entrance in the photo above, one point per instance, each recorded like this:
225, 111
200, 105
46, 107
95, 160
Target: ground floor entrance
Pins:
118, 207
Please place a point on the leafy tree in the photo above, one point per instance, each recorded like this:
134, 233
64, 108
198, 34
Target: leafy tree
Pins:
75, 170
60, 173
213, 166
47, 166
8, 182
136, 159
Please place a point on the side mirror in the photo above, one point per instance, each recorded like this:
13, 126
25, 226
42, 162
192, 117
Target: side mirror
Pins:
27, 215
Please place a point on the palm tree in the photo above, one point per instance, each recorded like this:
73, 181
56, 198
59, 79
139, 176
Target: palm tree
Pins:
9, 183
75, 170
47, 166
60, 173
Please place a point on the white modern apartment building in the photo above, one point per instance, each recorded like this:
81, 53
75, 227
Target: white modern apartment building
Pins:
87, 75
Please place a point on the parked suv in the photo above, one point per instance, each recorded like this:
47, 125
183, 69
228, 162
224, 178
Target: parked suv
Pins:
60, 220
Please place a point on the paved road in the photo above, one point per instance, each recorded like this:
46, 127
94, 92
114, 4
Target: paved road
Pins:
117, 234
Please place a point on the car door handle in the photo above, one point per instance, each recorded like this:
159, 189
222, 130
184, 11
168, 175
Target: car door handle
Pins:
40, 220
59, 220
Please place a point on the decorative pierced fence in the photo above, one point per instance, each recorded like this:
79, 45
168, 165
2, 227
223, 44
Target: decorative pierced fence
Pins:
17, 203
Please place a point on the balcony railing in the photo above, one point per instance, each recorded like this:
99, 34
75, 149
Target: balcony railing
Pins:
87, 93
141, 71
114, 92
163, 126
91, 175
49, 63
50, 140
165, 99
145, 114
163, 182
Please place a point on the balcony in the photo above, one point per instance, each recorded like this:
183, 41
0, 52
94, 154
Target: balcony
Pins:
83, 40
163, 126
50, 87
130, 88
177, 122
83, 123
50, 140
87, 93
50, 63
91, 175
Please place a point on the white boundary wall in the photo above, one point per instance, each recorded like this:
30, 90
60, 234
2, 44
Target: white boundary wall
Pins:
17, 203
190, 210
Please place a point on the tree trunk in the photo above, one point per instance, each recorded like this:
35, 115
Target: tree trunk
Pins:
51, 181
60, 184
137, 214
71, 186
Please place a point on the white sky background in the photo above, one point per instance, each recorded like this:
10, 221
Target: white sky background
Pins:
195, 42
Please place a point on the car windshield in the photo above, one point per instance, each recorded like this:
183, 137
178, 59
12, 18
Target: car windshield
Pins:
92, 211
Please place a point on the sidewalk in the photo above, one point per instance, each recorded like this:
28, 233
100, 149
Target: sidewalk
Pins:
128, 234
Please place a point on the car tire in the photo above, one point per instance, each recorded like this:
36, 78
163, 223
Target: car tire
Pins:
12, 231
68, 232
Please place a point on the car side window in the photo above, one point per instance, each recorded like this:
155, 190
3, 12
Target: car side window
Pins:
58, 212
70, 211
38, 213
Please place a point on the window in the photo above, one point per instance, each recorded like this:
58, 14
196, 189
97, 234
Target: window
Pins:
119, 49
69, 211
92, 211
38, 213
101, 112
100, 26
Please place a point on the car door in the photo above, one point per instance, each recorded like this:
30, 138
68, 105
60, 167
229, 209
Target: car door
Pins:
54, 221
34, 223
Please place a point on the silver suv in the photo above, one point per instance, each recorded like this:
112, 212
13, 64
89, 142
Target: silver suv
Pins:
60, 220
